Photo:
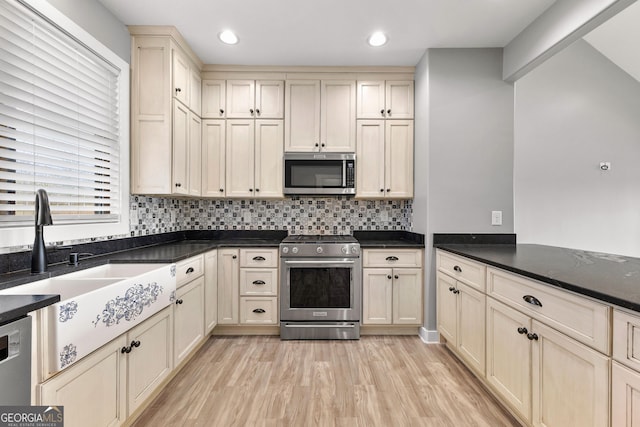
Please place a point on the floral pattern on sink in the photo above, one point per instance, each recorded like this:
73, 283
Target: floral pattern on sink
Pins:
79, 325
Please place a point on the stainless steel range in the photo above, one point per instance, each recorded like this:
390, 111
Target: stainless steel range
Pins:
320, 287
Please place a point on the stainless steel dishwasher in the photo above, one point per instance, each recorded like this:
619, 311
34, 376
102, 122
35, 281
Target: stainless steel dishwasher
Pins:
15, 362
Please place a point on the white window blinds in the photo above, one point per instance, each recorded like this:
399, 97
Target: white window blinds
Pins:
59, 123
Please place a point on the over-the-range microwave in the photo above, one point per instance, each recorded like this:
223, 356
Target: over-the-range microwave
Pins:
320, 173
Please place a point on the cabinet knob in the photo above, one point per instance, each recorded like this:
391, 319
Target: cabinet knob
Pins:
259, 310
221, 111
178, 184
396, 276
389, 112
178, 90
222, 190
457, 268
179, 301
532, 337
522, 330
388, 189
251, 111
382, 190
382, 112
532, 300
235, 256
451, 289
317, 144
124, 350
389, 276
135, 343
322, 144
257, 111
257, 190
251, 190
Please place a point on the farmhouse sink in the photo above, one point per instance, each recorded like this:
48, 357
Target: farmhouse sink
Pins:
97, 305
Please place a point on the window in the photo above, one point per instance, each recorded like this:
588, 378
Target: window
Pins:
63, 122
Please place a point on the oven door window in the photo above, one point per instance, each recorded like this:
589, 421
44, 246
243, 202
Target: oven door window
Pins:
320, 287
313, 173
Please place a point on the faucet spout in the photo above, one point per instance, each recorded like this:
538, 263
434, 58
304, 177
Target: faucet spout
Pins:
43, 217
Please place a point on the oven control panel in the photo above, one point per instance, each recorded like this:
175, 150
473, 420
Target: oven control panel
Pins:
349, 250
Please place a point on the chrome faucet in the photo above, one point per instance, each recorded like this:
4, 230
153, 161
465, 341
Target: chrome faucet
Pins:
43, 217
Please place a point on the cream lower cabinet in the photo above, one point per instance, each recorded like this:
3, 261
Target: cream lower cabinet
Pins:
385, 159
228, 286
461, 320
392, 295
625, 371
189, 319
111, 383
254, 158
210, 291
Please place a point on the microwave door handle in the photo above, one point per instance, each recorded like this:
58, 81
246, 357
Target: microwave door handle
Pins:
344, 174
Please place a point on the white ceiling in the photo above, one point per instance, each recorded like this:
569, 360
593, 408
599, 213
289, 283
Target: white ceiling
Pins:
619, 40
332, 32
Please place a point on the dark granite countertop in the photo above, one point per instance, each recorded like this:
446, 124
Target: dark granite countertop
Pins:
389, 239
610, 278
13, 307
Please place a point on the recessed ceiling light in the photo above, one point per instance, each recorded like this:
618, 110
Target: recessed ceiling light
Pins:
228, 37
377, 39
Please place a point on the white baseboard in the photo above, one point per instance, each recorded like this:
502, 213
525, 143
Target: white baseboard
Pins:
429, 337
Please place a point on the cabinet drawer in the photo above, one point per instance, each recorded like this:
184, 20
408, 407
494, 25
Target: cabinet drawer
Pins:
189, 269
258, 310
581, 318
258, 281
258, 257
626, 339
462, 269
392, 258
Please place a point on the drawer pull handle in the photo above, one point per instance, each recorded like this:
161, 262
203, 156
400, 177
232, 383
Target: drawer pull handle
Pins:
259, 282
532, 337
522, 331
392, 258
190, 270
532, 300
179, 301
259, 258
135, 343
259, 311
457, 268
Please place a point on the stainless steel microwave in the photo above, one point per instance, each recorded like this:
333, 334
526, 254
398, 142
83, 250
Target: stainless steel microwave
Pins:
320, 173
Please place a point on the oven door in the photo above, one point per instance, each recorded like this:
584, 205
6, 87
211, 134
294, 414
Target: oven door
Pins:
313, 289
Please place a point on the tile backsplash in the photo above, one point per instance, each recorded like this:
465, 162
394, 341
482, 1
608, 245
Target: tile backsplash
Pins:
297, 215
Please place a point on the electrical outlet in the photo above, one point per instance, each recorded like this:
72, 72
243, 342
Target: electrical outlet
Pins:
496, 217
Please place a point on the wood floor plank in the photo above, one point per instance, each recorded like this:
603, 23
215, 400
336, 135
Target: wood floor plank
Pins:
374, 381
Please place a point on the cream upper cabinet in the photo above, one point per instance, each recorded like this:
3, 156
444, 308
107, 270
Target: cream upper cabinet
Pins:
385, 159
255, 99
320, 116
195, 155
385, 99
163, 116
254, 158
213, 158
214, 99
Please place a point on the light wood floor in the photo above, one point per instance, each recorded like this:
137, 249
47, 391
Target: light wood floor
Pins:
376, 381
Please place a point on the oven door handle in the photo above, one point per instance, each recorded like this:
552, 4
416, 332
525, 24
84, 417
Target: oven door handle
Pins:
351, 325
314, 262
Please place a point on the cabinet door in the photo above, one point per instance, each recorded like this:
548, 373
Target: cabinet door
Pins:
446, 302
407, 296
213, 158
213, 99
180, 77
195, 91
269, 150
240, 158
180, 149
570, 381
71, 388
399, 99
625, 396
228, 286
195, 155
151, 108
377, 284
189, 318
338, 116
399, 159
240, 99
210, 290
269, 99
371, 100
471, 330
371, 159
509, 356
151, 361
302, 116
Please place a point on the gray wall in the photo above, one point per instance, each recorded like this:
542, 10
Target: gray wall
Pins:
94, 18
572, 112
466, 144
